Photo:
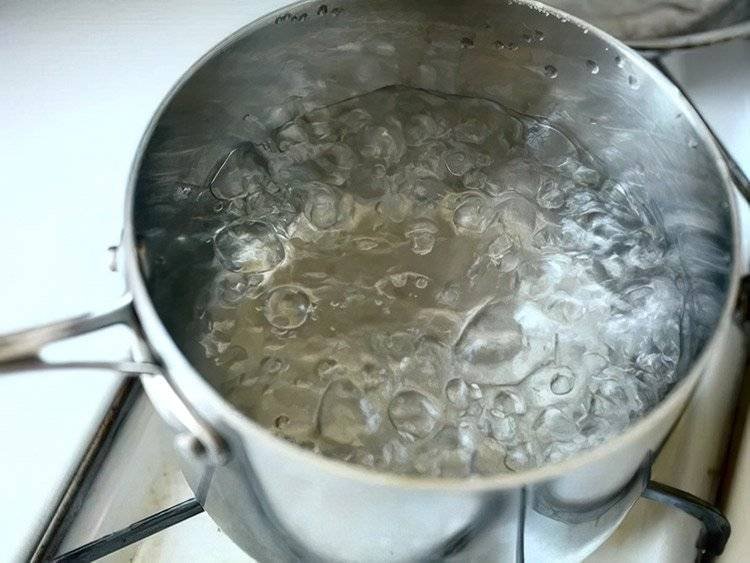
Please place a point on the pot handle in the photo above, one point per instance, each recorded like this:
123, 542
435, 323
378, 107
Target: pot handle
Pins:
716, 528
21, 351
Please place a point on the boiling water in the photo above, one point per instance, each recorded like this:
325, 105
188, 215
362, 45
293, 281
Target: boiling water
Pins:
432, 284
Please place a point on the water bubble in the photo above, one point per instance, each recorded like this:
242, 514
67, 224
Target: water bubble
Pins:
447, 455
539, 35
394, 207
562, 384
619, 62
270, 365
553, 423
310, 445
281, 421
499, 45
509, 402
692, 143
471, 215
468, 433
365, 244
326, 368
287, 307
499, 247
467, 42
644, 256
475, 180
527, 37
322, 207
458, 393
291, 134
422, 236
519, 458
585, 176
550, 71
565, 310
474, 132
592, 66
549, 145
504, 427
550, 235
400, 279
383, 143
234, 287
491, 337
364, 458
558, 451
457, 163
550, 196
394, 453
183, 191
346, 415
248, 246
633, 82
489, 456
238, 174
396, 346
413, 414
374, 376
322, 10
355, 120
337, 159
518, 216
450, 294
421, 129
233, 358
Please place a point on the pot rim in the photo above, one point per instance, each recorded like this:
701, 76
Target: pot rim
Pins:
209, 403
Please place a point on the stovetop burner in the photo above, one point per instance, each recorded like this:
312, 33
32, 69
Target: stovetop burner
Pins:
711, 541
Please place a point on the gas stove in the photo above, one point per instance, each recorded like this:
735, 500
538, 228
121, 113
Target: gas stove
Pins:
128, 500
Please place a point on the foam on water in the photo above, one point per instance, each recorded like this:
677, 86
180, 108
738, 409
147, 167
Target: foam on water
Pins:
432, 284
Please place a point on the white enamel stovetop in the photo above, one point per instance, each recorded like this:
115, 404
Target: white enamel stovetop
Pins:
80, 82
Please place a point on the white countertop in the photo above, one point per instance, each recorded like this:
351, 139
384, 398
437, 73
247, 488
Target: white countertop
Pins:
80, 81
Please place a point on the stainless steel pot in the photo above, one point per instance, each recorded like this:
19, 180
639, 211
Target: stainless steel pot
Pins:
280, 502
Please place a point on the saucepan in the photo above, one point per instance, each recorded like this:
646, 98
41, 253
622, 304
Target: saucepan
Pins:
280, 502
